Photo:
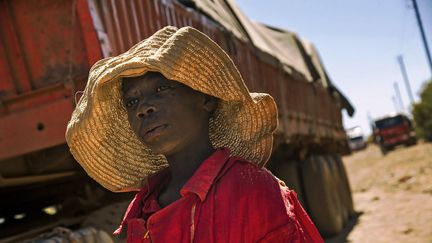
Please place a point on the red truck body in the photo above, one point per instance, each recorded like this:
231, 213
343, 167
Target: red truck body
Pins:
44, 58
46, 54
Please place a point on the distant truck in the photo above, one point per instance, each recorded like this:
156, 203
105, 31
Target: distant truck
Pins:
356, 139
393, 130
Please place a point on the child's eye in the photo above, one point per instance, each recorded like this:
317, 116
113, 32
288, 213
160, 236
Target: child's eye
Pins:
162, 88
131, 102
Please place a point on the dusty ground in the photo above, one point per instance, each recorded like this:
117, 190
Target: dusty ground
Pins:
392, 193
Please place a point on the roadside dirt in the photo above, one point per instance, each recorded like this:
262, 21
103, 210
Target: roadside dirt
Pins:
392, 193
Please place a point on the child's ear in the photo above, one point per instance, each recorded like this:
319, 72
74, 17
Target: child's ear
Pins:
210, 103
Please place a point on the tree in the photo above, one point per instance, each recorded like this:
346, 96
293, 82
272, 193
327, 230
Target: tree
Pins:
422, 112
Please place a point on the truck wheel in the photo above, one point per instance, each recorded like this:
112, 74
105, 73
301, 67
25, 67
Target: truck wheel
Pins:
288, 172
412, 141
339, 187
108, 219
347, 193
320, 193
384, 149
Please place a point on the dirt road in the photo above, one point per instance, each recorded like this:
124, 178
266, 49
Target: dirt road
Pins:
392, 193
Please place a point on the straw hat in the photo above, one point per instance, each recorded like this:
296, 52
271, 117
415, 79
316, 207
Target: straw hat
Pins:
99, 134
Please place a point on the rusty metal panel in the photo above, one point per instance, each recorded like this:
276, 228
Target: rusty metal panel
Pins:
37, 128
44, 57
40, 47
16, 78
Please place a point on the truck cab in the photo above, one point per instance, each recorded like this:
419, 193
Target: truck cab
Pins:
394, 130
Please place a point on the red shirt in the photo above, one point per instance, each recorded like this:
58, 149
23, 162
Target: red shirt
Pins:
227, 199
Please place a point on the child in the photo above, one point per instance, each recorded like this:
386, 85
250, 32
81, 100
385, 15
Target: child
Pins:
173, 119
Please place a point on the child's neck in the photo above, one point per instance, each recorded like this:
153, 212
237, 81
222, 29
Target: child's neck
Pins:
183, 164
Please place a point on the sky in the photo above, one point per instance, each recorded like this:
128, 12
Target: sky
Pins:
359, 42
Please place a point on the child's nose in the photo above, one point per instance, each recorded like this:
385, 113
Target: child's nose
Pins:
145, 110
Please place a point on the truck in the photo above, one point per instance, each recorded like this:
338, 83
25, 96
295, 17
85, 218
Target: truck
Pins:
394, 130
47, 48
356, 139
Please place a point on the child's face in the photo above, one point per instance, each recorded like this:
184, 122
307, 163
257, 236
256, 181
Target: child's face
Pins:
166, 115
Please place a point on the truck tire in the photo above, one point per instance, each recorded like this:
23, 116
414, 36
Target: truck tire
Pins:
320, 193
383, 150
288, 171
347, 193
108, 219
411, 142
339, 187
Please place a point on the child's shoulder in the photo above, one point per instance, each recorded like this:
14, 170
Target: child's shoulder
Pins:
245, 176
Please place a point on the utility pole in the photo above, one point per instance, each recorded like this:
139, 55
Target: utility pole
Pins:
369, 117
428, 55
395, 103
371, 122
405, 77
398, 95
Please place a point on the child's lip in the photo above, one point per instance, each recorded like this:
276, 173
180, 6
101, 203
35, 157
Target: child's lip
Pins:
152, 126
154, 130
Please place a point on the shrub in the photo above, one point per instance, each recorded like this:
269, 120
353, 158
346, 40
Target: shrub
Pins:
422, 112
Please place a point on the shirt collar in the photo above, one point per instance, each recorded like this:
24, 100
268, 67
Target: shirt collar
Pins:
205, 175
199, 183
134, 209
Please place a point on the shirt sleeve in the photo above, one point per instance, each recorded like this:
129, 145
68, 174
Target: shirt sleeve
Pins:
299, 228
262, 208
304, 221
